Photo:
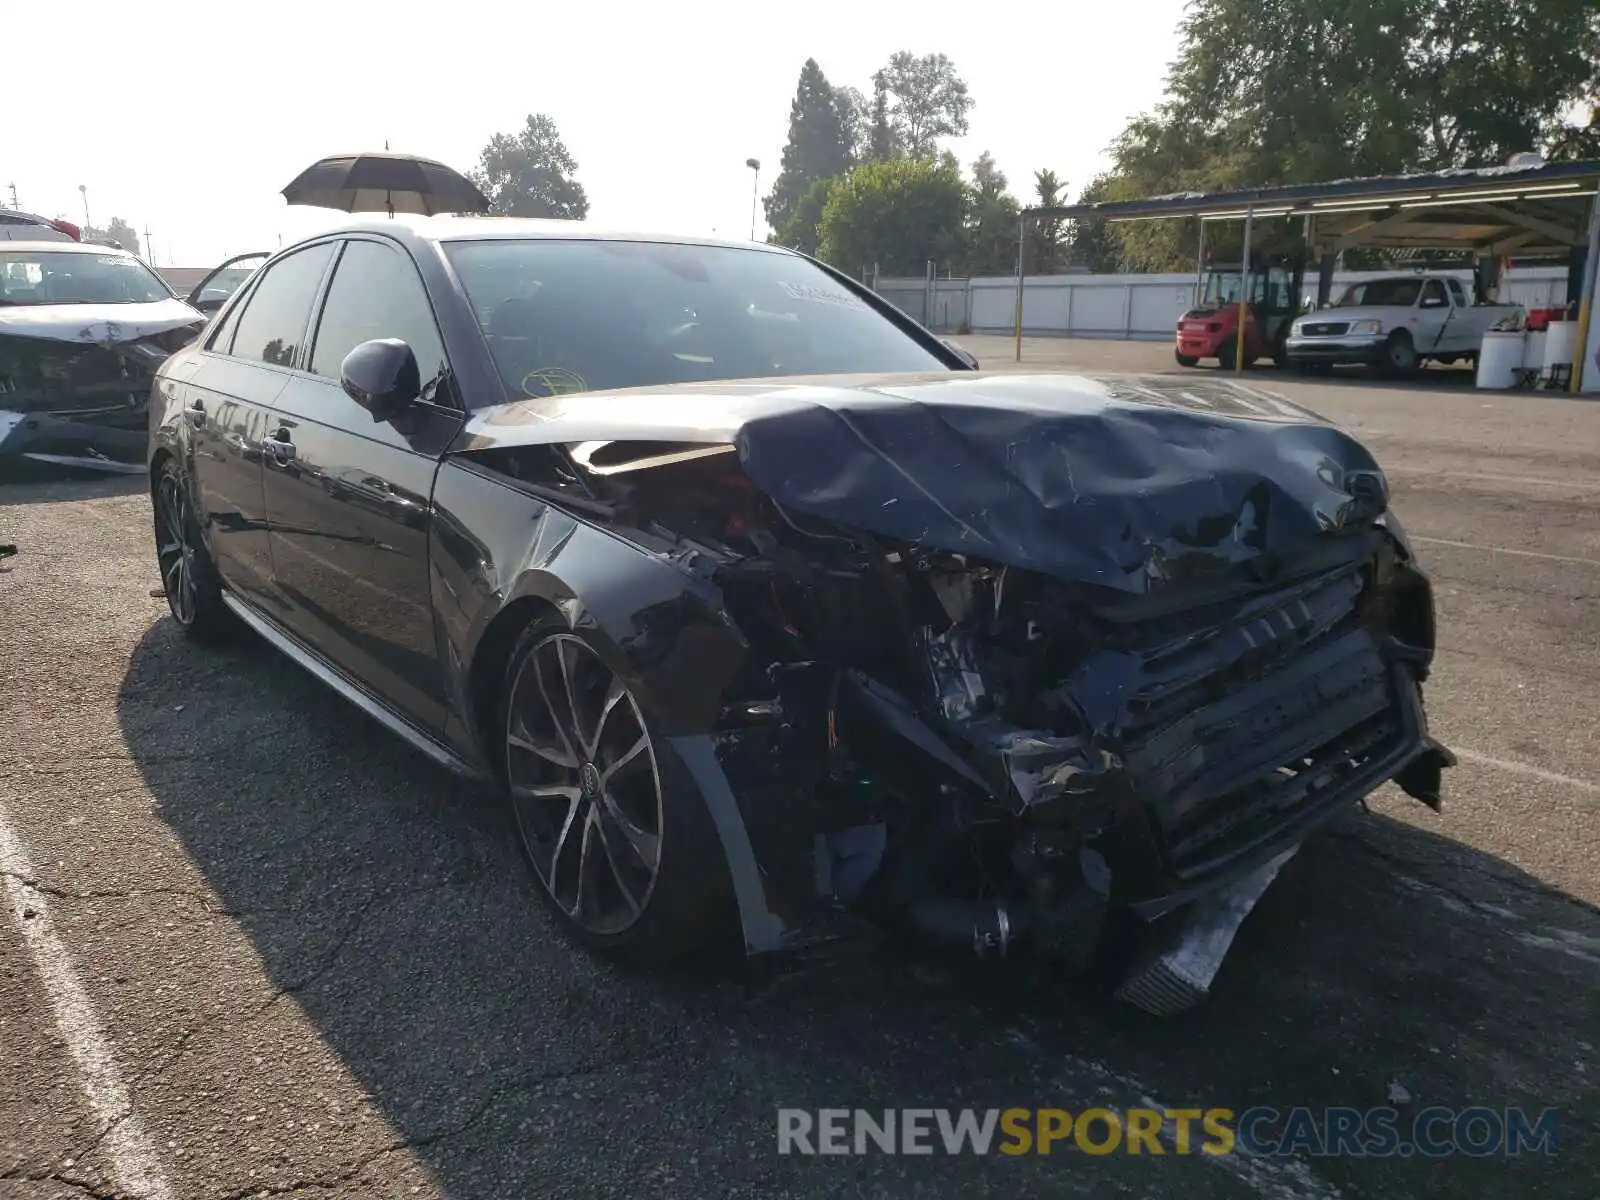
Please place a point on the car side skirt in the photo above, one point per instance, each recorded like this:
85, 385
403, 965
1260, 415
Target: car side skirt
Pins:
341, 683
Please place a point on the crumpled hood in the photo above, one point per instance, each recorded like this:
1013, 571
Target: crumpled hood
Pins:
1126, 482
100, 324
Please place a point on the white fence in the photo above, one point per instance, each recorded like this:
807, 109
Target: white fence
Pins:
1134, 307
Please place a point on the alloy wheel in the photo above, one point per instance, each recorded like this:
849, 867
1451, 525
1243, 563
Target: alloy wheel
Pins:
175, 551
585, 785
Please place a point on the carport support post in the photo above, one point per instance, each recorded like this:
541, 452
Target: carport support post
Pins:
1591, 273
1244, 290
1199, 265
1022, 246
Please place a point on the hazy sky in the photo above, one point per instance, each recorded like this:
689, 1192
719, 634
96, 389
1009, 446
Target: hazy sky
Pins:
189, 118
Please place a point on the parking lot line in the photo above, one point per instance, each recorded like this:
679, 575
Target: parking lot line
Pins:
1561, 558
128, 1150
1519, 768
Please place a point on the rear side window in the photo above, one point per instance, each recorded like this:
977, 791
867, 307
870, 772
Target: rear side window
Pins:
377, 293
275, 314
1456, 293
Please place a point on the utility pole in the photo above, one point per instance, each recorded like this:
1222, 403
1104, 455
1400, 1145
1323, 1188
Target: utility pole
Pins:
149, 250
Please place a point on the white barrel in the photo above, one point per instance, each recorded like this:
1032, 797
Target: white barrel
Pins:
1499, 360
1560, 344
1533, 350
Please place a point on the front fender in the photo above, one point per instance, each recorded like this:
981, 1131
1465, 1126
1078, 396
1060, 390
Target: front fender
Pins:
497, 552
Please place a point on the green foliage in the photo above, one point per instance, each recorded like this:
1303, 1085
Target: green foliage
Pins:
530, 174
118, 231
1268, 92
990, 228
798, 228
882, 144
855, 117
818, 149
1047, 238
898, 214
923, 100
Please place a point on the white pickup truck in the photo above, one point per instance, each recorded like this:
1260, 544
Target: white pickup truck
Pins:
1395, 324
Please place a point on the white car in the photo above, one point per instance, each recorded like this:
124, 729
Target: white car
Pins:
82, 330
1395, 324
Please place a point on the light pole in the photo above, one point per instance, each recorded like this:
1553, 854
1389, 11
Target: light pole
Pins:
84, 192
755, 187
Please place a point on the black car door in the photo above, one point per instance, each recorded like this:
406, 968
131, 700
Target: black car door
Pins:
228, 399
348, 497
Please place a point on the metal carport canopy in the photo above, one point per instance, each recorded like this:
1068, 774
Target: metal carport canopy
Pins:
1497, 211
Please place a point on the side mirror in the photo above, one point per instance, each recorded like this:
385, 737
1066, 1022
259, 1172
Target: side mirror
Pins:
960, 352
382, 377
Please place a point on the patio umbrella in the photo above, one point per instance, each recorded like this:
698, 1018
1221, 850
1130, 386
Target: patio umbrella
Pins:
385, 182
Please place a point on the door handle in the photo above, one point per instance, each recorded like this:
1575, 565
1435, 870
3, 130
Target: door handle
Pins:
279, 446
195, 414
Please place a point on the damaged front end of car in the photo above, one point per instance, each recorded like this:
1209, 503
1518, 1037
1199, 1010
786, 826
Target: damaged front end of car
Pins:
78, 395
1009, 676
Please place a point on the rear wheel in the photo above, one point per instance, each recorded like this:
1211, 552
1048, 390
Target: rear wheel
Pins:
616, 832
188, 576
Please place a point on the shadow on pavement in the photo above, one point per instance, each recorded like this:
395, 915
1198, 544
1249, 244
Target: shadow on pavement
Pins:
32, 484
387, 899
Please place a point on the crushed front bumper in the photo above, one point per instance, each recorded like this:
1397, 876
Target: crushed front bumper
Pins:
41, 437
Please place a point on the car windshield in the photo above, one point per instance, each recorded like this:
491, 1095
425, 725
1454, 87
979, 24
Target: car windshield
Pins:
31, 277
1383, 293
568, 316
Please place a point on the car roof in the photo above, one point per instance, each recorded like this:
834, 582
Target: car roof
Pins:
467, 229
67, 247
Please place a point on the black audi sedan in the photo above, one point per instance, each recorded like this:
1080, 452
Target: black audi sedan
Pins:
772, 615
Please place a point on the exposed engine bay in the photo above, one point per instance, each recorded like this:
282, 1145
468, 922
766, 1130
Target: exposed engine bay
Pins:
82, 400
985, 755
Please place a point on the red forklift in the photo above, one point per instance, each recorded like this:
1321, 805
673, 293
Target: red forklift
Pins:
1211, 328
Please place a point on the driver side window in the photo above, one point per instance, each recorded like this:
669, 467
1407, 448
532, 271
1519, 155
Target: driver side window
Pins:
377, 293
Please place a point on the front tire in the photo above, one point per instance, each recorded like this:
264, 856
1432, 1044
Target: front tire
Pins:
1185, 360
1399, 355
619, 839
189, 578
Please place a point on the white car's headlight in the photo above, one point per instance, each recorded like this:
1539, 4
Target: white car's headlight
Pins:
1366, 327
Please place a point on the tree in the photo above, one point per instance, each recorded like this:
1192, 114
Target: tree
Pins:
855, 115
118, 231
798, 230
1047, 235
818, 148
923, 100
882, 145
530, 174
991, 222
1268, 92
1578, 139
898, 214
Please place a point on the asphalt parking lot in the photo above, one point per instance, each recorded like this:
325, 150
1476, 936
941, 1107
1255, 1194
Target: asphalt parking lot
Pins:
256, 946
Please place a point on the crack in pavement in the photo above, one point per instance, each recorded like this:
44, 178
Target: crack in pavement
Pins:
329, 960
212, 908
516, 1083
82, 1185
